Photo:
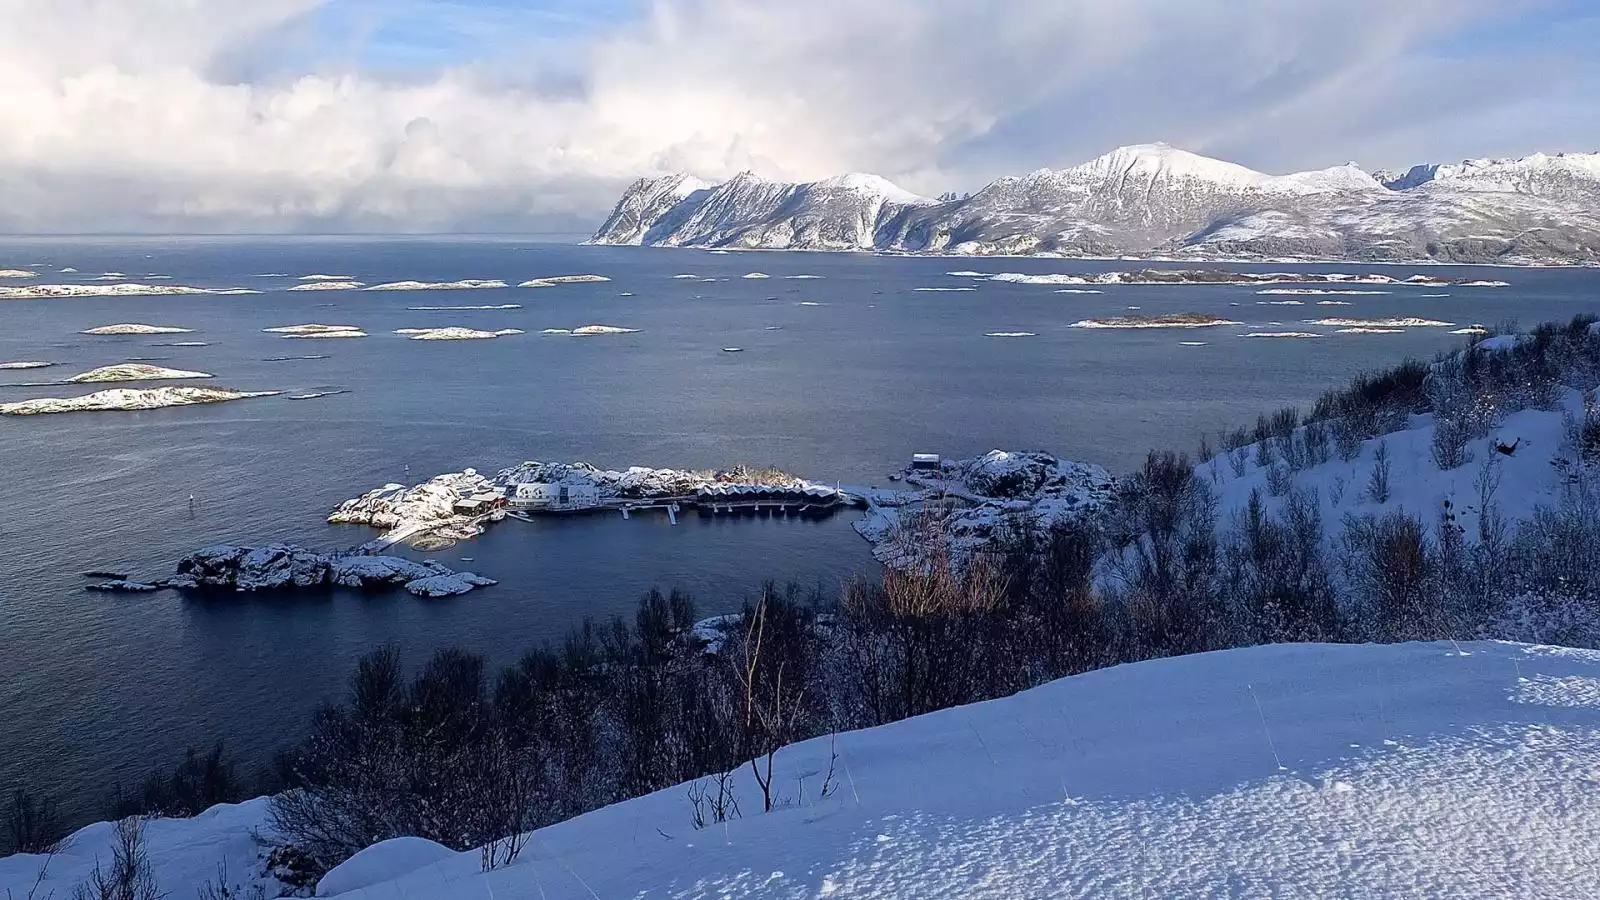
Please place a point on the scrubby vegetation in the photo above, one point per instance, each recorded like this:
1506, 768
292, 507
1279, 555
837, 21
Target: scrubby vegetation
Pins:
473, 759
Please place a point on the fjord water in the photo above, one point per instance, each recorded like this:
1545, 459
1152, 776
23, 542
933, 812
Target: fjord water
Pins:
841, 378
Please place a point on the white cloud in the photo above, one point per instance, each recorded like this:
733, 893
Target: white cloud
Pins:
123, 114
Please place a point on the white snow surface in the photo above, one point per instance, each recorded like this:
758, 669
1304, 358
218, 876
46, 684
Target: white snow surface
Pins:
17, 273
1308, 770
1285, 771
25, 364
383, 861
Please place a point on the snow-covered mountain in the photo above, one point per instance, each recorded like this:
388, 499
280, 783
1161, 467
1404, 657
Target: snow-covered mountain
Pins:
843, 213
1152, 200
1301, 770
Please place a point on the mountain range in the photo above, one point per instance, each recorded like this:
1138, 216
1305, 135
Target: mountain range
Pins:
1151, 201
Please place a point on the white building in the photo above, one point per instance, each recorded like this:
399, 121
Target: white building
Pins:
557, 496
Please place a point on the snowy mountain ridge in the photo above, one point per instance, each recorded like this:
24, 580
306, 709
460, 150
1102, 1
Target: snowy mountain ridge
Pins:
1151, 200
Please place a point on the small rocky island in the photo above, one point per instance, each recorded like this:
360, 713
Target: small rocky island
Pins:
128, 399
277, 567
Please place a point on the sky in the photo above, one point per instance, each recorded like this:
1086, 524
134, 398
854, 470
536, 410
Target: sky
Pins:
532, 115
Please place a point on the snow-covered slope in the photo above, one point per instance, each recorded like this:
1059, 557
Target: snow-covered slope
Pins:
1413, 770
1152, 200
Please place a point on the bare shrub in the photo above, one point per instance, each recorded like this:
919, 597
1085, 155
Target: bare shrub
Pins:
1279, 479
1395, 565
1318, 443
31, 824
1348, 435
129, 876
713, 803
1378, 481
1238, 459
1449, 445
223, 887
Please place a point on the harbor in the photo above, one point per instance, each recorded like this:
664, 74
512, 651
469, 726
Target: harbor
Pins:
963, 504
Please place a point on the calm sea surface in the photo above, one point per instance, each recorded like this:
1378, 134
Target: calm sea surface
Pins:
842, 378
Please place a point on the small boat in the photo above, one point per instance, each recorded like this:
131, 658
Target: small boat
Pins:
732, 349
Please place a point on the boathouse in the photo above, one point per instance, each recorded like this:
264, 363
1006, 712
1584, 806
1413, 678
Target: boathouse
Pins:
479, 504
925, 462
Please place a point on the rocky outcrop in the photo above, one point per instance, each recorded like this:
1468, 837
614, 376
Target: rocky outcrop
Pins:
973, 506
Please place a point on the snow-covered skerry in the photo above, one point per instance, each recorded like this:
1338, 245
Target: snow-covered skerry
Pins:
1313, 770
127, 399
1153, 201
279, 567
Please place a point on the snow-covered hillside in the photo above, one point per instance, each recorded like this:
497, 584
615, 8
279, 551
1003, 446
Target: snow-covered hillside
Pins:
1305, 770
1152, 200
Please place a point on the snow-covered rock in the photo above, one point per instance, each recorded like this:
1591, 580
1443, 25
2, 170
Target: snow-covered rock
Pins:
124, 586
970, 505
52, 291
17, 273
128, 399
329, 286
359, 571
1166, 320
383, 861
1151, 200
135, 328
311, 328
558, 280
455, 333
463, 285
327, 335
452, 585
1406, 322
427, 505
591, 330
277, 567
134, 372
498, 306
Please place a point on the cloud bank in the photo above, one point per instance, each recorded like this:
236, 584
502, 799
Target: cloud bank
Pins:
244, 115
